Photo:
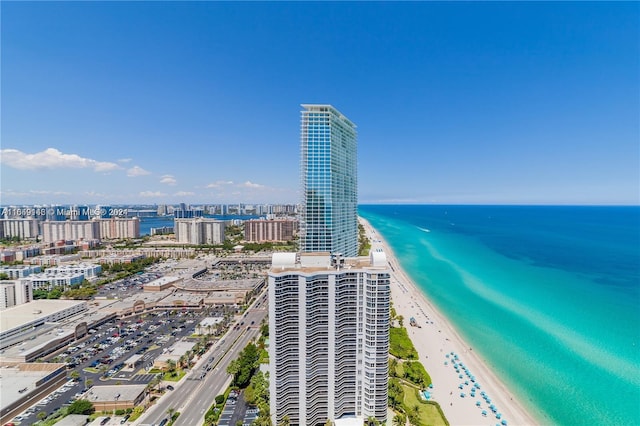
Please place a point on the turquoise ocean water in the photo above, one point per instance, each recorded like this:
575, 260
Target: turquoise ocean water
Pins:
549, 297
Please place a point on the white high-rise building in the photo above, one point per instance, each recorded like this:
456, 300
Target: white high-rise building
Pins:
15, 292
329, 337
74, 230
119, 228
328, 310
198, 231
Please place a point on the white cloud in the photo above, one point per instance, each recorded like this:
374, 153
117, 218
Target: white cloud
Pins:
220, 184
168, 179
95, 194
52, 158
149, 194
184, 194
125, 160
44, 192
136, 171
249, 184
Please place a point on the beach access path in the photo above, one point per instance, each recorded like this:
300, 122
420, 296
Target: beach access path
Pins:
441, 350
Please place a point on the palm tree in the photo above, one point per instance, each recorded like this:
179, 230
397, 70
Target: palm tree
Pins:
171, 365
416, 412
400, 319
285, 421
393, 365
399, 420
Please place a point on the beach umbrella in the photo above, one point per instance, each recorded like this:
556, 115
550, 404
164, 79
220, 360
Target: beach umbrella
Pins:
498, 415
478, 403
460, 386
460, 376
461, 394
503, 423
484, 413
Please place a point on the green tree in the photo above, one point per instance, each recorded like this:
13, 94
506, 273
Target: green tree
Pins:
74, 375
285, 421
399, 420
393, 365
41, 415
80, 406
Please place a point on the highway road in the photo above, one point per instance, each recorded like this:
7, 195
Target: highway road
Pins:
193, 396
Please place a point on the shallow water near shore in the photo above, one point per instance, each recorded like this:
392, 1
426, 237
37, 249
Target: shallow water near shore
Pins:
548, 296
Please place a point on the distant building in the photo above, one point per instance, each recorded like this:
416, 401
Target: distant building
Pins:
24, 229
48, 281
199, 231
163, 230
16, 272
70, 230
119, 228
262, 230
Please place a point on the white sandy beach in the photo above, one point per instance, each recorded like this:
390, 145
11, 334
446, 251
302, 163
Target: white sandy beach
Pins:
438, 343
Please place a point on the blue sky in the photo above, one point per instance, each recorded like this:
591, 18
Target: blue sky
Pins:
199, 102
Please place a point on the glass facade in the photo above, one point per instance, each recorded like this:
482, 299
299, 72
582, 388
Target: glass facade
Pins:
329, 219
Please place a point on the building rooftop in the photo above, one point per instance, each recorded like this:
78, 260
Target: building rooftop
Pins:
317, 262
23, 377
22, 314
109, 393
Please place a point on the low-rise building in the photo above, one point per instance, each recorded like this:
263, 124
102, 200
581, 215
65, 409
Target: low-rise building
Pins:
22, 383
115, 397
19, 271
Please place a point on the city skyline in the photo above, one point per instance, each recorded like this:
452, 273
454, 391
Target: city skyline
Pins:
461, 103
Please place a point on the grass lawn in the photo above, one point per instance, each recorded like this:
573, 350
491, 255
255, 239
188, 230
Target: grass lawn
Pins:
400, 345
175, 376
429, 413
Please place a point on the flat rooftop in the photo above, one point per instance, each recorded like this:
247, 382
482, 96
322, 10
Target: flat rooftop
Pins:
22, 314
22, 376
109, 393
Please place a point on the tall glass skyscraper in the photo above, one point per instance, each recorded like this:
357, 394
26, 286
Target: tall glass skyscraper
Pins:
328, 308
329, 218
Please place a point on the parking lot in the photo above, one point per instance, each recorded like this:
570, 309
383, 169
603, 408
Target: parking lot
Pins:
100, 357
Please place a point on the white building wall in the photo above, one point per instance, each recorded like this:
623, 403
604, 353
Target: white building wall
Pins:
21, 228
332, 326
7, 294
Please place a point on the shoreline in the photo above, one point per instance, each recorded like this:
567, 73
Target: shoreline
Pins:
448, 359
